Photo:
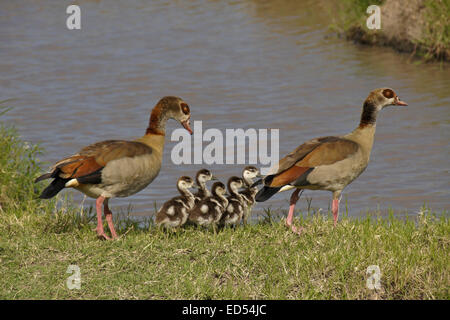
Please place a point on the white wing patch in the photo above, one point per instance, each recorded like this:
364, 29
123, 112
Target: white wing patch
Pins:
216, 202
170, 224
184, 204
71, 183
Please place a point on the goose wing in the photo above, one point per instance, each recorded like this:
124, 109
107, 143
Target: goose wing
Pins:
86, 166
313, 153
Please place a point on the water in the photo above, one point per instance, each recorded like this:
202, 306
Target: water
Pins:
239, 64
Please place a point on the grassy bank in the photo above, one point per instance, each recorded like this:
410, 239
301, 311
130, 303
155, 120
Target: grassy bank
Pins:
39, 240
418, 27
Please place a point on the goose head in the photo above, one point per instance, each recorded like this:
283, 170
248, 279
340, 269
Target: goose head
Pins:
377, 100
169, 107
384, 97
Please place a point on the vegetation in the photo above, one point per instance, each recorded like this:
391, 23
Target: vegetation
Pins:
352, 12
431, 42
436, 40
264, 260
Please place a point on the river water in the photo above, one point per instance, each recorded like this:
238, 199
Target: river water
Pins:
239, 64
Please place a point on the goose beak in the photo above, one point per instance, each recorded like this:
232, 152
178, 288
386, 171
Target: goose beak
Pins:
260, 181
187, 125
399, 102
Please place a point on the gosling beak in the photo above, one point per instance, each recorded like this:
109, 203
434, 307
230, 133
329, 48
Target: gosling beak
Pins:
187, 125
399, 102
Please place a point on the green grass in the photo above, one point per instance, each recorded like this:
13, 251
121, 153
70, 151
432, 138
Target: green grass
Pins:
349, 13
436, 40
40, 239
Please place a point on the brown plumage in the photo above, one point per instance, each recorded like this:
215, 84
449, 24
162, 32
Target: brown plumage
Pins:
208, 212
248, 174
93, 158
202, 176
117, 168
174, 213
236, 204
329, 163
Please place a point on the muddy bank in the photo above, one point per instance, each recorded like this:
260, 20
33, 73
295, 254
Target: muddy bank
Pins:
419, 27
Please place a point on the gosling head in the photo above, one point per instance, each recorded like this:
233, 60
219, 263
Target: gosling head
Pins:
234, 183
218, 188
250, 172
185, 182
204, 175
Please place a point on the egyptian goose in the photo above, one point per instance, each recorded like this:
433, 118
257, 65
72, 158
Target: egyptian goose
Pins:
117, 168
208, 211
201, 178
236, 203
329, 163
248, 174
174, 213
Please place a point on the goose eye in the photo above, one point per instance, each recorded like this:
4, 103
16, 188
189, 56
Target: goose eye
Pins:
388, 93
185, 108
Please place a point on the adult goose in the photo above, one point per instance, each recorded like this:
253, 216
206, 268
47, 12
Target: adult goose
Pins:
117, 168
329, 163
174, 213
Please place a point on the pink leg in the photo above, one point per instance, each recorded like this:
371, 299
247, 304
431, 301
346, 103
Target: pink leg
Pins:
294, 198
100, 232
335, 210
108, 215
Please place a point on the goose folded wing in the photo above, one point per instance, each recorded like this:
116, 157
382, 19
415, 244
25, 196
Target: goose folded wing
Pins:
87, 165
314, 153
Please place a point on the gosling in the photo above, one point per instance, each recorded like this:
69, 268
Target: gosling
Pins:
203, 176
235, 209
208, 212
248, 174
174, 213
